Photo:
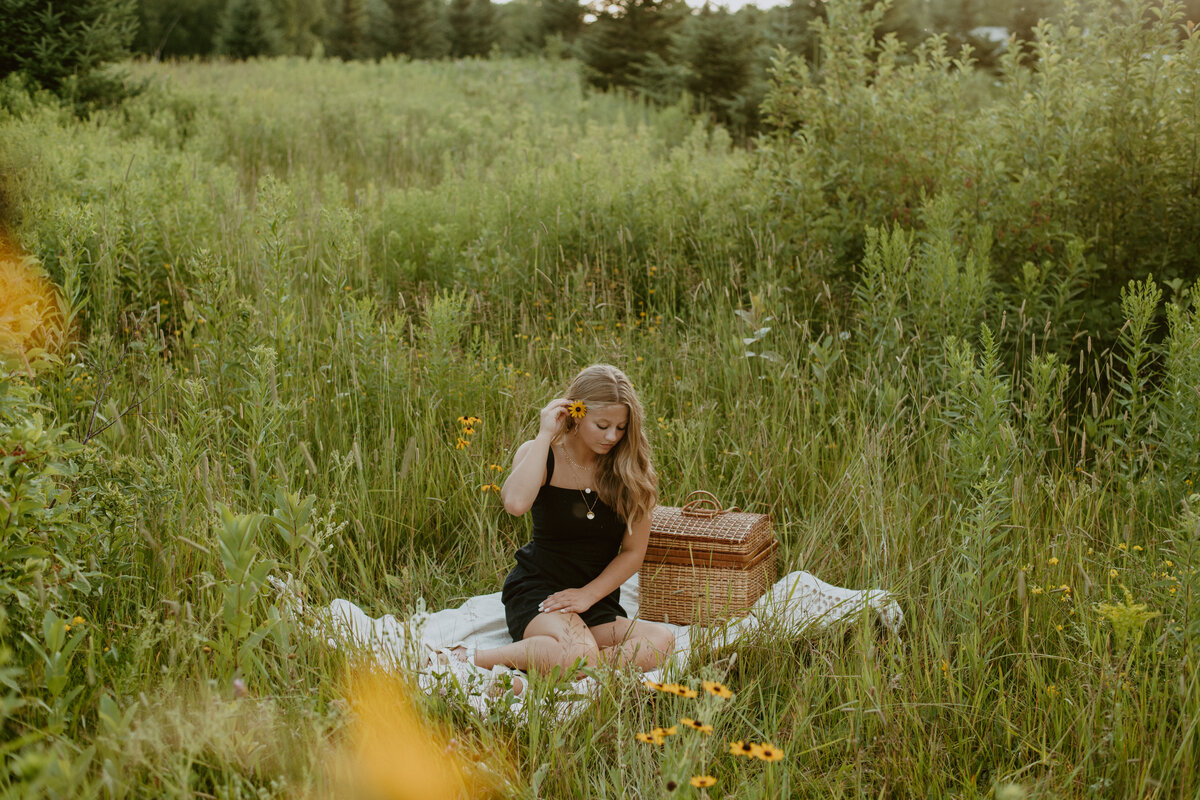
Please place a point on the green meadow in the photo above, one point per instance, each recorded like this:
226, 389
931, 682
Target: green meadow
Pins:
939, 324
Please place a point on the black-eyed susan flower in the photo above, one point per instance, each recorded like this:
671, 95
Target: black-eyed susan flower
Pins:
672, 786
462, 444
703, 781
712, 687
697, 725
658, 687
649, 738
747, 749
671, 731
769, 752
577, 409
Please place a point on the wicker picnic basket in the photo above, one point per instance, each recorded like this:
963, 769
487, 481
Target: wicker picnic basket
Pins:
705, 563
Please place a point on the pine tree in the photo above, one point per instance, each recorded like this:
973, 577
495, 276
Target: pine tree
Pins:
63, 47
720, 52
169, 28
298, 25
520, 27
788, 27
472, 27
629, 42
349, 38
246, 30
562, 18
409, 27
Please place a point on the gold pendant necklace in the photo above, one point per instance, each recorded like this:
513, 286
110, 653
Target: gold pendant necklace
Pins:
585, 491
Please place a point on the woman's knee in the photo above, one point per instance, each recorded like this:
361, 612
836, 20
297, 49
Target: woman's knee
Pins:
663, 640
579, 650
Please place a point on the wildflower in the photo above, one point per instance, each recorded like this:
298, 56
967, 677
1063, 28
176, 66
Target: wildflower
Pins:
702, 781
662, 732
696, 724
1036, 590
468, 430
390, 749
1128, 619
658, 687
77, 621
577, 409
769, 752
712, 687
469, 421
1112, 573
649, 738
1058, 627
1122, 546
747, 749
1052, 561
462, 443
489, 487
1137, 548
30, 309
496, 467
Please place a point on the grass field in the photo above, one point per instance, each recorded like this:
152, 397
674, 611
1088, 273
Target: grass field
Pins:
292, 278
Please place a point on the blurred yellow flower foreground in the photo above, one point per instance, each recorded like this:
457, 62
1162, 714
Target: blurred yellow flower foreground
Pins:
31, 314
392, 753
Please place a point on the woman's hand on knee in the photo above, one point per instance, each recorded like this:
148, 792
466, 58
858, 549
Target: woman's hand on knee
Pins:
567, 601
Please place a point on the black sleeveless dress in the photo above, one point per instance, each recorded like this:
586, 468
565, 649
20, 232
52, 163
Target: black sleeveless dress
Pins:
568, 551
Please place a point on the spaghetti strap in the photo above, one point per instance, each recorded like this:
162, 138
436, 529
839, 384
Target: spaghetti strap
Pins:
549, 465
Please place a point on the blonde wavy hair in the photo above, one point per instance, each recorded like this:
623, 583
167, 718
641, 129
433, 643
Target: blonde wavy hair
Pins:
625, 476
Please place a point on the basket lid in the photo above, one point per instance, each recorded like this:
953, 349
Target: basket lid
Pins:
704, 521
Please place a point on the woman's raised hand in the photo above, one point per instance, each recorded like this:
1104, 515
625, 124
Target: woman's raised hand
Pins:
552, 416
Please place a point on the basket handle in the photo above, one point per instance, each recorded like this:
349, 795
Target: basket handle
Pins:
706, 505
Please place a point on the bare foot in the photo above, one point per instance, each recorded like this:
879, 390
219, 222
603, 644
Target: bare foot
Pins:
460, 654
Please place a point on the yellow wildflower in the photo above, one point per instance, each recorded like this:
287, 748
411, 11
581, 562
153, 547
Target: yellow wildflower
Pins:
1052, 561
747, 749
712, 687
769, 752
702, 781
31, 315
577, 409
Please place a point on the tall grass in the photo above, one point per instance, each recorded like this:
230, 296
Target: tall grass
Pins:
295, 277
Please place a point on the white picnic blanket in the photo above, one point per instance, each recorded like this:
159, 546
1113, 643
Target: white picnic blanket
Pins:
796, 602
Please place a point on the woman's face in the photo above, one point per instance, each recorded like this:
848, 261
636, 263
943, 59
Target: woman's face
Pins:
602, 428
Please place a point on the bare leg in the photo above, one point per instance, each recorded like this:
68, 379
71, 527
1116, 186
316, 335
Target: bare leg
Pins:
551, 640
643, 644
